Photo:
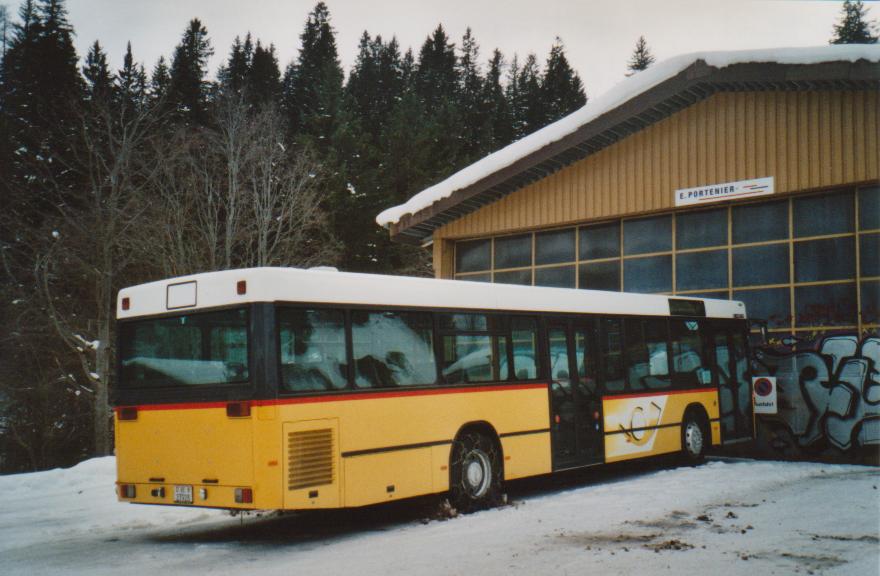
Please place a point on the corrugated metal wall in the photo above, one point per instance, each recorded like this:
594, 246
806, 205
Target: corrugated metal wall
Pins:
806, 140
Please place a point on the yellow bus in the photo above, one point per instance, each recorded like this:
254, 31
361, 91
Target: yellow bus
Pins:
281, 388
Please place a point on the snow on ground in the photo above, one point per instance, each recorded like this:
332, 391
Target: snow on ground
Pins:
725, 517
60, 503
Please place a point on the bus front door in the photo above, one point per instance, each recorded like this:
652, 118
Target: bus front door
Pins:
734, 384
574, 402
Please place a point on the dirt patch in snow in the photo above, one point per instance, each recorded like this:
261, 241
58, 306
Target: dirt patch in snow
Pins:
871, 538
809, 562
674, 544
676, 520
623, 541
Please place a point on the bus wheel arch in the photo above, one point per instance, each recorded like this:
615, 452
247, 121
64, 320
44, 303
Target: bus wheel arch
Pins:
696, 435
476, 467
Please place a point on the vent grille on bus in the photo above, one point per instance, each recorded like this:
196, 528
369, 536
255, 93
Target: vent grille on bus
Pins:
310, 458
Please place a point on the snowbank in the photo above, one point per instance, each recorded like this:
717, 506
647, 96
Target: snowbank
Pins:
44, 506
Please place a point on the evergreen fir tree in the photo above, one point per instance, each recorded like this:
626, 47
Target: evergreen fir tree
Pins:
363, 82
853, 27
313, 86
57, 54
497, 111
514, 96
531, 108
233, 76
405, 160
391, 82
641, 57
263, 83
470, 106
99, 84
42, 90
436, 79
360, 149
131, 80
407, 71
563, 92
373, 91
188, 89
160, 80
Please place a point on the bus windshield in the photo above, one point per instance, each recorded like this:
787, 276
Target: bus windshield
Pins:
188, 350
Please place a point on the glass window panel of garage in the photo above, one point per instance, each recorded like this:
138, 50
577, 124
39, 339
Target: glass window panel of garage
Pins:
796, 262
780, 256
599, 256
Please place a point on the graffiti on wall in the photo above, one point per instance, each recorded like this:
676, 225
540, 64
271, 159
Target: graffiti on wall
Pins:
828, 396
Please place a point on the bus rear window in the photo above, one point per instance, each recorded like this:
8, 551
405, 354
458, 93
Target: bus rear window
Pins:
189, 350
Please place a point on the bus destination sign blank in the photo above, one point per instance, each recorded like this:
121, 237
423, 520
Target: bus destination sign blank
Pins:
726, 191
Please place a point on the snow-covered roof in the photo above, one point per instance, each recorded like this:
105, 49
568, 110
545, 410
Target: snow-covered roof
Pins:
614, 98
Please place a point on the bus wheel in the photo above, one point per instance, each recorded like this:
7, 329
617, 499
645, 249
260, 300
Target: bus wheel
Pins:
475, 472
693, 439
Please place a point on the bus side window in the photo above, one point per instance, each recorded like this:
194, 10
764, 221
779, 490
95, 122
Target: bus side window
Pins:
524, 333
313, 354
392, 349
612, 355
647, 360
475, 351
691, 354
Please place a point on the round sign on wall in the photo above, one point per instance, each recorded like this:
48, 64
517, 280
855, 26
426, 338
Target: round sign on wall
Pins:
763, 387
764, 390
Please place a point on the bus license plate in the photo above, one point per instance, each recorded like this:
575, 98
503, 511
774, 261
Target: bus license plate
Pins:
183, 494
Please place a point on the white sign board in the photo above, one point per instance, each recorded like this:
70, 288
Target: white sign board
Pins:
764, 394
182, 295
726, 191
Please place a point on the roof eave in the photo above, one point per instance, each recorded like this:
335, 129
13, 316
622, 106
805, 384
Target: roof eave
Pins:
696, 82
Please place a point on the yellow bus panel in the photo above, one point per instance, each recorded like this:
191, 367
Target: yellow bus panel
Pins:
526, 455
187, 445
648, 425
387, 476
375, 448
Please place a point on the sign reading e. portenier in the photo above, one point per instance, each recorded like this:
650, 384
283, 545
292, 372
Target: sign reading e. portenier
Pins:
726, 191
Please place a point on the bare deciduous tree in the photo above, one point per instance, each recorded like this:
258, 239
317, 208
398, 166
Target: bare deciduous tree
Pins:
287, 224
77, 271
234, 196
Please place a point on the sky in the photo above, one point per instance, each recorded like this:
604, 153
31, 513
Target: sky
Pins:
599, 36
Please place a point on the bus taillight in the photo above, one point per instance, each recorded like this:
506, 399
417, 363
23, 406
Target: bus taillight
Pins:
127, 491
244, 496
126, 303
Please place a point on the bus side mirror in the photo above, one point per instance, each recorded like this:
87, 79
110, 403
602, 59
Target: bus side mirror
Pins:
762, 326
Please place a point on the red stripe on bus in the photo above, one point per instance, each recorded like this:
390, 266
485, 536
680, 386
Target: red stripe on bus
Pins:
661, 393
339, 397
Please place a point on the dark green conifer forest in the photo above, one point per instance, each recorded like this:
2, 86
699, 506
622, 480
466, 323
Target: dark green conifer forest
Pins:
157, 169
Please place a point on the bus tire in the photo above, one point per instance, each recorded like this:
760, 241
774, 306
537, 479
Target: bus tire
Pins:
694, 438
474, 472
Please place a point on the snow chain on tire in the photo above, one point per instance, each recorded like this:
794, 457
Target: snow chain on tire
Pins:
475, 472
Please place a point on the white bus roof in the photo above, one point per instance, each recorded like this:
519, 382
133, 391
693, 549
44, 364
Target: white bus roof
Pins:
215, 289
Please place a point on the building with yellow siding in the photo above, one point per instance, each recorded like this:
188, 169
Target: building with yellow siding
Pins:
751, 175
